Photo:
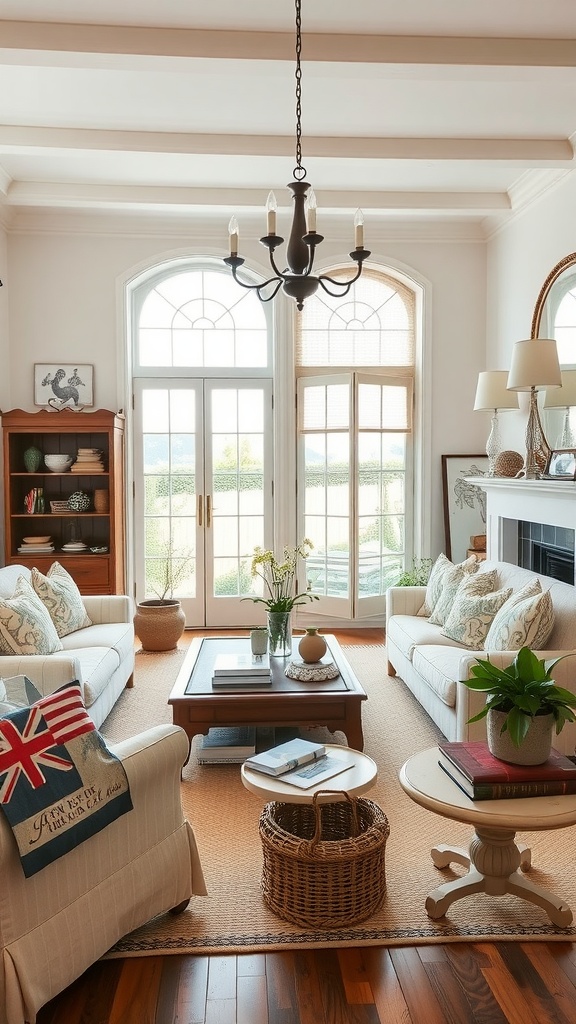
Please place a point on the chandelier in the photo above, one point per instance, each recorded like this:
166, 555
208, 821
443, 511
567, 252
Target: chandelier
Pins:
297, 280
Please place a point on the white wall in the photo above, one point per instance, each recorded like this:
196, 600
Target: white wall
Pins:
66, 283
519, 259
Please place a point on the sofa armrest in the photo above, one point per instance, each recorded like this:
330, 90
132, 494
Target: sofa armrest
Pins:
404, 600
46, 671
108, 608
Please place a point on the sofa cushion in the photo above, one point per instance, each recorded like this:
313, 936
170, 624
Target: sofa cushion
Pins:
527, 621
438, 667
407, 632
59, 593
451, 580
97, 666
435, 584
471, 616
25, 624
117, 635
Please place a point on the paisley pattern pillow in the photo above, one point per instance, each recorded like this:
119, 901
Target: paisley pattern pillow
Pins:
524, 623
435, 584
25, 625
60, 595
471, 617
450, 582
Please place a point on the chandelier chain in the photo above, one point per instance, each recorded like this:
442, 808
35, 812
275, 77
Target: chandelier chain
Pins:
299, 171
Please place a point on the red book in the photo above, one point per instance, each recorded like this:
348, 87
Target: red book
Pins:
484, 777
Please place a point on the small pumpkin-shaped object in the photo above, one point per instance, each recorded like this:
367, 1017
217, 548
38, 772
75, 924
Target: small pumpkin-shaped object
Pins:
312, 646
32, 459
79, 502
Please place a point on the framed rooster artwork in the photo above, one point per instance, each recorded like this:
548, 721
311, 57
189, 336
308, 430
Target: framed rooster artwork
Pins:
63, 385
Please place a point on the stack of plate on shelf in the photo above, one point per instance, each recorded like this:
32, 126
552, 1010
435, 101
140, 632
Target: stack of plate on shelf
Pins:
88, 460
36, 545
74, 546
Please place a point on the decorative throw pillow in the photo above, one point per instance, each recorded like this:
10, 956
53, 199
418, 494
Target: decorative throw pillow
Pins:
441, 566
60, 595
524, 623
450, 582
471, 617
73, 786
25, 624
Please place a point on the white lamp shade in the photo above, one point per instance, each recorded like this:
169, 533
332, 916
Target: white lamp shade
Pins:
534, 365
492, 392
564, 396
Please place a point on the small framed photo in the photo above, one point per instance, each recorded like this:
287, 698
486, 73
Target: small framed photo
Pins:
561, 464
63, 385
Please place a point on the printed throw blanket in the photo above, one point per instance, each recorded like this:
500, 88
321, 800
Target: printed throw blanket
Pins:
59, 783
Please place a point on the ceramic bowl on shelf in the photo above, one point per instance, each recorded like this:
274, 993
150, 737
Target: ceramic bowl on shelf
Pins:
58, 463
36, 540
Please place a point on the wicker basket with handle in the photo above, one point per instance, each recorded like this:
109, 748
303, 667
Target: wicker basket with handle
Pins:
324, 862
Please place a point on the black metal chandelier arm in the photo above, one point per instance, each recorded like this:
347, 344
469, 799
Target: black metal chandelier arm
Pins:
235, 262
344, 286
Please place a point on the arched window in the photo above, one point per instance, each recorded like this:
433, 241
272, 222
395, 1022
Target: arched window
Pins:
355, 360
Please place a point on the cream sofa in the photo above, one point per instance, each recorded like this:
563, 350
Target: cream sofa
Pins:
434, 667
56, 923
100, 656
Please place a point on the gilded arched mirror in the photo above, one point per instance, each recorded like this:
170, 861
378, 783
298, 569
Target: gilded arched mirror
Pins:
555, 317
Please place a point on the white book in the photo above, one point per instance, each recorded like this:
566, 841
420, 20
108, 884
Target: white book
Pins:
311, 774
237, 681
227, 745
236, 664
286, 756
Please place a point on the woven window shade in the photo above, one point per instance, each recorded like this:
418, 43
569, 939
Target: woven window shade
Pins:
373, 325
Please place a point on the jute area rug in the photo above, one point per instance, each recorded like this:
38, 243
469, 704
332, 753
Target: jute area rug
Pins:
233, 917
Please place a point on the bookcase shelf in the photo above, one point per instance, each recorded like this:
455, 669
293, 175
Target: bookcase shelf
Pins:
66, 432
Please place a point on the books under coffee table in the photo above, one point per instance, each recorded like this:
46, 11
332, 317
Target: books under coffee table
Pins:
482, 776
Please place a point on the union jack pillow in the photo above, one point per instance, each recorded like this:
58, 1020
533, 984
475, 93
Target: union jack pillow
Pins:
59, 782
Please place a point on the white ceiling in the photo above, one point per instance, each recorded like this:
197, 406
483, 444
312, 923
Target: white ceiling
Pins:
418, 110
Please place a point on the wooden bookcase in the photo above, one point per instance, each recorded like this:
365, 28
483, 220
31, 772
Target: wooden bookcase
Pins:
67, 431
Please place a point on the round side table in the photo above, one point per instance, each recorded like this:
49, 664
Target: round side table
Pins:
493, 857
355, 780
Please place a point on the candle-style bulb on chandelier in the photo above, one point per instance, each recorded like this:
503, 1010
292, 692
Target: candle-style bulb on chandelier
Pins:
297, 280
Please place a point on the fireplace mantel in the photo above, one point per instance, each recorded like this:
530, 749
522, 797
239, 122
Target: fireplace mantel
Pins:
510, 500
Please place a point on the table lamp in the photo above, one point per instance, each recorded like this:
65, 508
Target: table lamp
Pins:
492, 395
534, 368
564, 398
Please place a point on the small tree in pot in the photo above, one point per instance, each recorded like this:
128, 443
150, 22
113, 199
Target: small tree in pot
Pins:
522, 701
159, 622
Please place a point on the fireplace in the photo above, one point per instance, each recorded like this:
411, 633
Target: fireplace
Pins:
532, 523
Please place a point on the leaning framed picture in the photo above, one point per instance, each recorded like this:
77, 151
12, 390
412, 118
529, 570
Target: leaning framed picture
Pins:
561, 464
63, 385
464, 502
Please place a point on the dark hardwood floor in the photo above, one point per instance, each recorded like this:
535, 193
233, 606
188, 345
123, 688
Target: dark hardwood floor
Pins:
458, 983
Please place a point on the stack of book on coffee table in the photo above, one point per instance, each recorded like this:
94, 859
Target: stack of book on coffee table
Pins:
482, 776
241, 669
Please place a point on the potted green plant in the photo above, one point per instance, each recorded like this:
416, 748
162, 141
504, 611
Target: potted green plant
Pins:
418, 575
159, 622
523, 706
279, 578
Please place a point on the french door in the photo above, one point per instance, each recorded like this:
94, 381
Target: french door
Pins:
202, 493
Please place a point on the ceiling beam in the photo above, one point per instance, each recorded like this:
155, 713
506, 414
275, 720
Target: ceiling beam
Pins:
28, 39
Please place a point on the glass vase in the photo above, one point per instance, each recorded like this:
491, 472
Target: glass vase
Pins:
279, 634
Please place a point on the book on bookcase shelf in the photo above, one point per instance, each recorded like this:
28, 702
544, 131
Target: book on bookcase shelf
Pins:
286, 756
482, 776
228, 745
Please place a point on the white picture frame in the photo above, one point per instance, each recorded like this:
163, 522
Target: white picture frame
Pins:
63, 385
464, 503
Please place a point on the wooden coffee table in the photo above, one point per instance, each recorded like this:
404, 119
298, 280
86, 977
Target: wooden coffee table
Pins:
335, 703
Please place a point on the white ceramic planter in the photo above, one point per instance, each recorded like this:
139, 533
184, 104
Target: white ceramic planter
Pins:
536, 746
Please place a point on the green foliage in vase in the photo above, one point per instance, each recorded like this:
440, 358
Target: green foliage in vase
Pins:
279, 577
522, 690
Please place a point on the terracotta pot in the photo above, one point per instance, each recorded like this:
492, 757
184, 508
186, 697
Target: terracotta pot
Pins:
312, 647
535, 748
159, 624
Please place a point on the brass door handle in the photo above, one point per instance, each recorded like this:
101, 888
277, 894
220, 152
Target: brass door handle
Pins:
200, 509
208, 510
